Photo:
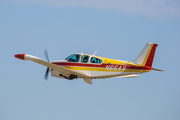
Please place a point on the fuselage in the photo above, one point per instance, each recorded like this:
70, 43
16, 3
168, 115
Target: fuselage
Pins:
97, 67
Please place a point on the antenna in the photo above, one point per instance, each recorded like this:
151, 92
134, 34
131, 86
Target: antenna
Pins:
95, 52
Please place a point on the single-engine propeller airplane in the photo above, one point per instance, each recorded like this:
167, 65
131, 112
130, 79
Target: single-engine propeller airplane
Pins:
90, 67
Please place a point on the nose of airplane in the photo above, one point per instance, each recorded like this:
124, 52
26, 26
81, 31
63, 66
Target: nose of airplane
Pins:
20, 56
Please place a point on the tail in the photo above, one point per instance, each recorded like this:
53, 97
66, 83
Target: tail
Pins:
146, 56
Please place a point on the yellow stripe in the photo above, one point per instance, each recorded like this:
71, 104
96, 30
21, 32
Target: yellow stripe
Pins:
103, 69
25, 57
147, 54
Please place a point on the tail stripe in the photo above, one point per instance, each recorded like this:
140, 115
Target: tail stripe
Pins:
147, 55
151, 56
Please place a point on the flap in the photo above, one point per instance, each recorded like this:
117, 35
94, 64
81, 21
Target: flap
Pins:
87, 80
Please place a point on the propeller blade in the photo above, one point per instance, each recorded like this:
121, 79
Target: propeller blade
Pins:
46, 54
46, 74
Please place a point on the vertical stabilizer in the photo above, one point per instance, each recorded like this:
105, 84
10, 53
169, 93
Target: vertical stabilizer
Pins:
146, 56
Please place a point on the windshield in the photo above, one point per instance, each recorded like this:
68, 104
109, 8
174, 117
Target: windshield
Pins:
68, 57
73, 58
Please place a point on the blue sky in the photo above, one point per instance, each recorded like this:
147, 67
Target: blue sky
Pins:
120, 29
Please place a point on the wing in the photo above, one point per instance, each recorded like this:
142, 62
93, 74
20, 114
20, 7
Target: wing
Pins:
50, 65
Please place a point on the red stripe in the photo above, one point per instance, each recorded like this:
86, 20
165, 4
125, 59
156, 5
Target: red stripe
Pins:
103, 65
77, 64
151, 56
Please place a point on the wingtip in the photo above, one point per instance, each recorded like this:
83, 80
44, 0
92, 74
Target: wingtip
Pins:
26, 57
20, 56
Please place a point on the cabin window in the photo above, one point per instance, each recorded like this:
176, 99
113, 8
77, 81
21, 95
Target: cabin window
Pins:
73, 58
84, 59
96, 60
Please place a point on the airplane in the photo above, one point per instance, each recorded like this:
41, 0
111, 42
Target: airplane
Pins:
90, 67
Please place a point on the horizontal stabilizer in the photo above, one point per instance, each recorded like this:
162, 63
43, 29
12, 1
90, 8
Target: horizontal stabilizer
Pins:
156, 69
130, 76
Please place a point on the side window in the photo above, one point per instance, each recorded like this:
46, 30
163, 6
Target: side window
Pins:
84, 59
74, 58
96, 60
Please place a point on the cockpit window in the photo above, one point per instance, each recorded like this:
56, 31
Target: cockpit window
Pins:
84, 59
73, 58
96, 60
68, 57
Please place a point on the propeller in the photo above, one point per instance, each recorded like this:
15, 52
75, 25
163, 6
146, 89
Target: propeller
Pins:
47, 71
46, 54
